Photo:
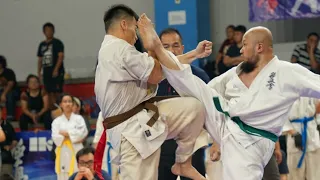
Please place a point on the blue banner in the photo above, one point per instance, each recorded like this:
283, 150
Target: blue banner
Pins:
264, 10
34, 156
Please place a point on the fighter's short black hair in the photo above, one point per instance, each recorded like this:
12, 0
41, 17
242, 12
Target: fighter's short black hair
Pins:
48, 24
169, 31
313, 34
240, 28
115, 13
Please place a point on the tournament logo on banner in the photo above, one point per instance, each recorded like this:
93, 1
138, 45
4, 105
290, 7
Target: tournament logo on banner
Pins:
264, 10
34, 155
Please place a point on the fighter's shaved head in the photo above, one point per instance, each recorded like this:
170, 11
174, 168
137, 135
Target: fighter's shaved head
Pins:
260, 34
257, 48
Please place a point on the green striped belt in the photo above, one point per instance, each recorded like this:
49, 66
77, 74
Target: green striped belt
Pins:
244, 127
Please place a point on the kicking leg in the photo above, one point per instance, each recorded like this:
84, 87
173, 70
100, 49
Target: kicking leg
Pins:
185, 120
186, 169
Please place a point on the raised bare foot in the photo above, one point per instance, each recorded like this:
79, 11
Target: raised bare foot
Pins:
186, 170
148, 35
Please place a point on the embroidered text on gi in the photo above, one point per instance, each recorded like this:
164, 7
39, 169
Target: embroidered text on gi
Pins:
271, 82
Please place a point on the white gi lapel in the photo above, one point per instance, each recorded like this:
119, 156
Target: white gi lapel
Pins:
265, 79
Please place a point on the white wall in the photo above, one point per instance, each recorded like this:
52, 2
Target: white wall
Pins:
79, 24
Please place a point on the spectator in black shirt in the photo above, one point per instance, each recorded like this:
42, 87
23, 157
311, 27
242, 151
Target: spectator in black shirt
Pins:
34, 103
9, 91
233, 56
50, 61
6, 146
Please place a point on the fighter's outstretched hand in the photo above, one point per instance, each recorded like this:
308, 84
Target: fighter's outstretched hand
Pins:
148, 35
204, 49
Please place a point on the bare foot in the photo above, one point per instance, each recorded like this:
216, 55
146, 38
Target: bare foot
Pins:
148, 35
186, 170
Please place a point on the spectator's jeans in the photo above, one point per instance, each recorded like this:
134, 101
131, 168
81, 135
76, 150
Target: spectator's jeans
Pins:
12, 97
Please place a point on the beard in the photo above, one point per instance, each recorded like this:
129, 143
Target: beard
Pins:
248, 67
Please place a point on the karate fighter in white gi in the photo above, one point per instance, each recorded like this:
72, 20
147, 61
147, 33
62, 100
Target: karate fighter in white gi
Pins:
126, 78
248, 105
303, 141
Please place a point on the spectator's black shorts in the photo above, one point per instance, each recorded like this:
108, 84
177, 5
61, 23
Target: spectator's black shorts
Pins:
283, 166
53, 84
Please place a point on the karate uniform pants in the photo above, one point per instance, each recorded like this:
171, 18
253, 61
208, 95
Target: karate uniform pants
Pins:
213, 168
185, 120
239, 160
115, 172
310, 169
114, 167
63, 176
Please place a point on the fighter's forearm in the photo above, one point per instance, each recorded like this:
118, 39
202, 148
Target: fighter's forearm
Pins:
188, 57
165, 59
